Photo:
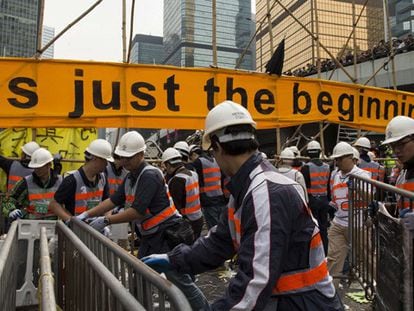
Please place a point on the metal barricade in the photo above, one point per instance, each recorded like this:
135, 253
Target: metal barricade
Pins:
151, 290
46, 285
8, 273
377, 240
84, 282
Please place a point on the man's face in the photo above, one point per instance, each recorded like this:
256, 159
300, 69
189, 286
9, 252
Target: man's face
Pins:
132, 163
100, 164
345, 163
43, 172
404, 149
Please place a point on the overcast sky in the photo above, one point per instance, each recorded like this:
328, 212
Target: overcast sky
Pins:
98, 36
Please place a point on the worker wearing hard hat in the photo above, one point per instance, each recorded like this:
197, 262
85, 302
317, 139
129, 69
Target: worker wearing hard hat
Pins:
146, 200
184, 149
30, 196
267, 225
399, 134
377, 171
316, 174
297, 163
338, 234
85, 187
17, 169
184, 189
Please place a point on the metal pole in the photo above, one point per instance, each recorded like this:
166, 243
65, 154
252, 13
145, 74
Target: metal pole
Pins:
394, 80
124, 49
131, 30
213, 32
355, 40
40, 27
269, 25
318, 51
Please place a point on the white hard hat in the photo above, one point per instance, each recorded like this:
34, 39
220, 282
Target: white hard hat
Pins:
194, 148
287, 153
264, 155
356, 153
313, 145
171, 155
363, 142
295, 150
30, 147
101, 149
40, 158
226, 114
398, 128
342, 149
182, 147
371, 155
130, 144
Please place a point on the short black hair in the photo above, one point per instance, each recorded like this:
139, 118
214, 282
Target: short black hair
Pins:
237, 147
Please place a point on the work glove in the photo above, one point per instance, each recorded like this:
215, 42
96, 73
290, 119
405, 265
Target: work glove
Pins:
83, 216
158, 262
57, 165
118, 209
408, 220
15, 214
99, 223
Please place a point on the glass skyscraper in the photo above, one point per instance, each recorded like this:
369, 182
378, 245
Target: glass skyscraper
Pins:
402, 17
188, 33
18, 27
48, 33
333, 20
147, 49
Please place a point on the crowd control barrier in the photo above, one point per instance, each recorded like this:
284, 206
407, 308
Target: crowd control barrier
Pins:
46, 280
381, 256
146, 285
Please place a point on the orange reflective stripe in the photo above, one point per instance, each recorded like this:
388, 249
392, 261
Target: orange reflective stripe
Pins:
310, 190
190, 210
88, 195
211, 170
80, 210
157, 219
191, 186
211, 179
211, 188
114, 181
300, 280
39, 196
192, 198
339, 186
318, 182
15, 178
319, 174
316, 241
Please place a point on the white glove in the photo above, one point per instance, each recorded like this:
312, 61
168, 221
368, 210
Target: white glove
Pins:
158, 262
107, 231
83, 216
408, 220
15, 214
99, 223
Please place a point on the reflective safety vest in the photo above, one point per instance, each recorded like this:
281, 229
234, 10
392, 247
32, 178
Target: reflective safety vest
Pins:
403, 183
373, 167
86, 197
149, 224
192, 209
16, 173
316, 276
226, 191
395, 172
319, 179
211, 176
39, 199
114, 181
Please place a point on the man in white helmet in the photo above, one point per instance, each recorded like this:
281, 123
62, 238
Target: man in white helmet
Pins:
146, 200
399, 135
85, 187
338, 234
363, 145
30, 197
316, 174
282, 265
17, 169
184, 189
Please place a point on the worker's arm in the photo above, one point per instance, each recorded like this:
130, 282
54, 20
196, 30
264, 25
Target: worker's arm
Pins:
128, 215
59, 210
101, 208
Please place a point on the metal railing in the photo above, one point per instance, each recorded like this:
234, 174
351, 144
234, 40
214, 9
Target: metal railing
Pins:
8, 267
84, 282
147, 286
381, 255
46, 281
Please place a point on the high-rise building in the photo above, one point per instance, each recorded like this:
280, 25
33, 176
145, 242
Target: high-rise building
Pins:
18, 27
402, 17
147, 49
330, 20
188, 33
48, 33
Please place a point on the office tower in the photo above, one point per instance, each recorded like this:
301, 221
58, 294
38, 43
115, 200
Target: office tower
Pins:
330, 20
48, 33
147, 49
18, 27
402, 17
188, 33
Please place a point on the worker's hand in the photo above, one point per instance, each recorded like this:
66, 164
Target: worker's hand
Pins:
15, 214
408, 220
158, 262
99, 223
83, 216
57, 165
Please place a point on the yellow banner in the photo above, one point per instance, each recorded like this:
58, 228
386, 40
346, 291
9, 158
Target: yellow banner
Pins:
50, 93
70, 143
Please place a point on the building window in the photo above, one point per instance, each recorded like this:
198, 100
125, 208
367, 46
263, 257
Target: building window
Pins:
406, 25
